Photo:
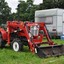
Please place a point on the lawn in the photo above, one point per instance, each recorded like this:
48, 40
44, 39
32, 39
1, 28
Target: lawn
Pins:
8, 56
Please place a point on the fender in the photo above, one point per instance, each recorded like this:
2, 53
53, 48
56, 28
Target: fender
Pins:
4, 33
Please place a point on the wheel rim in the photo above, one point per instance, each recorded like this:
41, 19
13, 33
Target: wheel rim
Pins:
15, 46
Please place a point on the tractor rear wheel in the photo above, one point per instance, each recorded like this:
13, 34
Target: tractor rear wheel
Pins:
2, 42
17, 45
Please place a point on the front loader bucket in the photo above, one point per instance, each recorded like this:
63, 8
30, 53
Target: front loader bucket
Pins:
55, 50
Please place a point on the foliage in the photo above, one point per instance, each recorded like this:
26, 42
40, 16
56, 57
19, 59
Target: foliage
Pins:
26, 10
5, 11
48, 4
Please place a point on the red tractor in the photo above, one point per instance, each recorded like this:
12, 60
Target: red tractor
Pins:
19, 33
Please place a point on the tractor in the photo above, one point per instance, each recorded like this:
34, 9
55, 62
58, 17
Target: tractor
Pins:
31, 34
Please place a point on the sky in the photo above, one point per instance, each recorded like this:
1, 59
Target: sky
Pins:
13, 4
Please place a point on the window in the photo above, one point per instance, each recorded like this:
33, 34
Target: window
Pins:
47, 20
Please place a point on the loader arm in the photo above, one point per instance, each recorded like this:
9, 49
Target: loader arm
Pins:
43, 27
50, 42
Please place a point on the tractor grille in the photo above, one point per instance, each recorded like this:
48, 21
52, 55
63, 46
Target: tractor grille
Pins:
34, 30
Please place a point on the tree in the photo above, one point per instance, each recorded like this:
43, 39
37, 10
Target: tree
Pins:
21, 9
26, 10
5, 11
48, 4
30, 2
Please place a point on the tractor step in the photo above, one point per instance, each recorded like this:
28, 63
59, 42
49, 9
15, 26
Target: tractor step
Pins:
55, 50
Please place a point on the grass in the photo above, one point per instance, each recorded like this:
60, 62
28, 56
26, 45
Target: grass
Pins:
8, 56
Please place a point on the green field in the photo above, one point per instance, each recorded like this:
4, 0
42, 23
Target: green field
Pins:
8, 56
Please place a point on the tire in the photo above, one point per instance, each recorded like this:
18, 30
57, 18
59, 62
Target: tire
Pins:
2, 42
17, 45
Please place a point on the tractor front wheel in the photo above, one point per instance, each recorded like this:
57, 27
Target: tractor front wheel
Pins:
17, 45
